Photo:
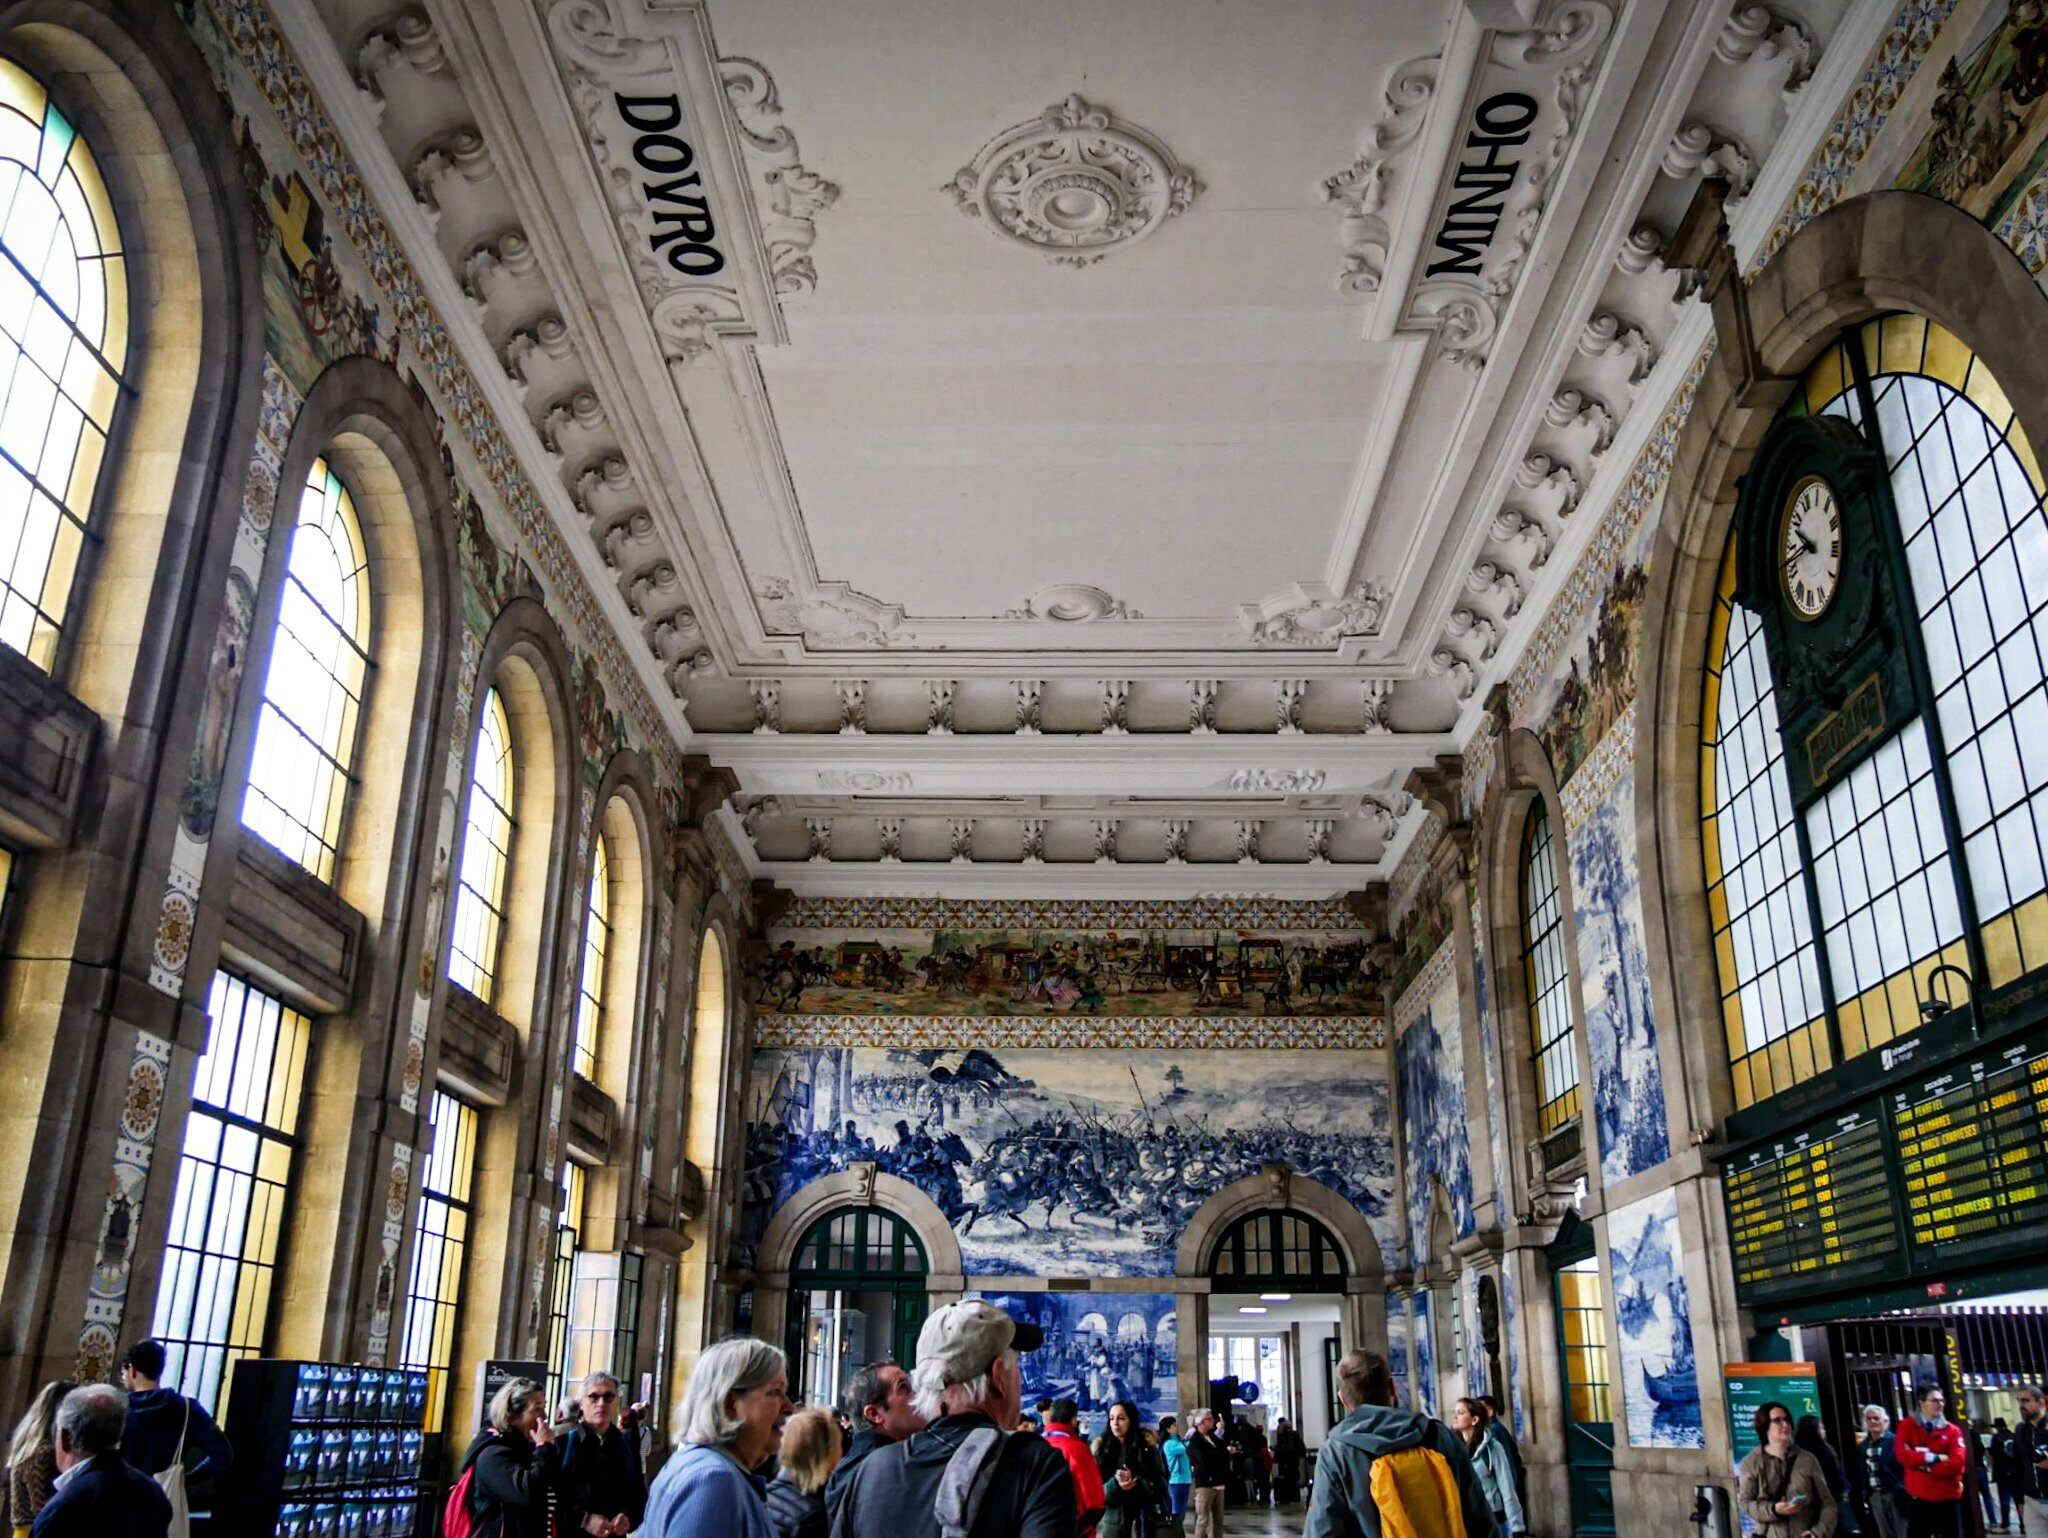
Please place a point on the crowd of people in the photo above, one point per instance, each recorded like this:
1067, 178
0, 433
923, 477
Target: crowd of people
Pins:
1924, 1478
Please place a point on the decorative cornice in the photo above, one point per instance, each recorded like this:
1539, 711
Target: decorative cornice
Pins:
1071, 603
1069, 1032
1272, 915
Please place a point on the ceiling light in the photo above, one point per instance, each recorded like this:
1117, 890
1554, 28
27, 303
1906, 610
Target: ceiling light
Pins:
1276, 1297
1250, 1308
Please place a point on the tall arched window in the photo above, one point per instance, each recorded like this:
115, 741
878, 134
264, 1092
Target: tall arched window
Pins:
597, 933
1870, 866
486, 846
1548, 981
313, 692
63, 343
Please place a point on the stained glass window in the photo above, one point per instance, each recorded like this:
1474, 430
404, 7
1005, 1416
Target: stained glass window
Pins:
1884, 882
63, 343
1547, 977
596, 940
1582, 1324
234, 1186
486, 853
562, 1278
313, 692
433, 1297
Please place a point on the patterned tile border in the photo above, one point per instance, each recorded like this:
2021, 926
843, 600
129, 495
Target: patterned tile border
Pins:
1324, 916
106, 1298
1066, 1033
259, 45
1420, 993
1599, 774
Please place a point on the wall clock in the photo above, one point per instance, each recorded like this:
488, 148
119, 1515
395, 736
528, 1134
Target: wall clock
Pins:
1810, 547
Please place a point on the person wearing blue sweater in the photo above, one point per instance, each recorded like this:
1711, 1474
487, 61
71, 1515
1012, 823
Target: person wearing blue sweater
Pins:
161, 1419
731, 1419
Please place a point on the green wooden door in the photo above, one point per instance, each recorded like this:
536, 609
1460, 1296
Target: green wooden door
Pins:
1588, 1381
857, 1295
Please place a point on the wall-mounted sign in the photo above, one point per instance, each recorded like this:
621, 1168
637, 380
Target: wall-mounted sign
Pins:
681, 230
1481, 184
1751, 1385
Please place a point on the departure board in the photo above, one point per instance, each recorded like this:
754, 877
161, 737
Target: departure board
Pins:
1820, 1200
1973, 1146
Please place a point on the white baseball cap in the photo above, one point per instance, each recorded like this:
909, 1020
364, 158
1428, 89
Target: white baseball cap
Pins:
962, 1341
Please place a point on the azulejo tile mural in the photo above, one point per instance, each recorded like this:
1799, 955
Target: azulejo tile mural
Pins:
1425, 1357
1435, 1128
1660, 1385
1050, 1162
997, 972
1621, 1030
1100, 1347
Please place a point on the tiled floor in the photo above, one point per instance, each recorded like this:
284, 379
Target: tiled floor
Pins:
1264, 1522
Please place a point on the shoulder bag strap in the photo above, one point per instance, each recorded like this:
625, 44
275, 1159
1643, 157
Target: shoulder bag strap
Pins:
178, 1457
965, 1483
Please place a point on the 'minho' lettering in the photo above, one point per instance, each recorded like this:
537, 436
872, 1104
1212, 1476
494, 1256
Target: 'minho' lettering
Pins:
683, 232
1471, 221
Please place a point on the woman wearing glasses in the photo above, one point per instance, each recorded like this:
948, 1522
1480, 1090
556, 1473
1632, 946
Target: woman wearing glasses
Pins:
1782, 1488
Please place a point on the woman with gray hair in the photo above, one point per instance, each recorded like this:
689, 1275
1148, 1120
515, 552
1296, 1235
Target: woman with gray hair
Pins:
517, 1465
731, 1420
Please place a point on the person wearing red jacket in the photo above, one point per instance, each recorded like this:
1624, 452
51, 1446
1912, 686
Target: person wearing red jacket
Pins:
1931, 1453
1089, 1495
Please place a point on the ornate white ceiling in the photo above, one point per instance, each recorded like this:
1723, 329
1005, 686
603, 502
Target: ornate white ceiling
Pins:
1042, 417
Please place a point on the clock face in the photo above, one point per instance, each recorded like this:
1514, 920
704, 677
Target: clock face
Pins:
1810, 548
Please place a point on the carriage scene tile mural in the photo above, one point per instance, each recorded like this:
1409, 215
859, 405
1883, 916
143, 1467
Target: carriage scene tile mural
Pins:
1010, 972
1100, 1347
1063, 1163
1660, 1386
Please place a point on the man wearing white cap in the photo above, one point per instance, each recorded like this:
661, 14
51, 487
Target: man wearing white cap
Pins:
965, 1475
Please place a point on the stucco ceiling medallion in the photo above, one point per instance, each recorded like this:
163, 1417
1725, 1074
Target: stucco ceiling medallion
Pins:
1072, 603
1074, 183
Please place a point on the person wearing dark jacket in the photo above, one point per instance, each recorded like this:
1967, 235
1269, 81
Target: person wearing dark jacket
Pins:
98, 1494
517, 1463
603, 1492
161, 1419
968, 1382
1808, 1436
1341, 1505
2030, 1453
877, 1404
1880, 1483
1133, 1482
1209, 1460
1289, 1453
796, 1496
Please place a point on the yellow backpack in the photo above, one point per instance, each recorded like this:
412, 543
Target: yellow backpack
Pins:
1416, 1495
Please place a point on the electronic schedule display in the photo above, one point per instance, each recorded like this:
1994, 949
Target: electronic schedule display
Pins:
1973, 1148
1816, 1201
1939, 1171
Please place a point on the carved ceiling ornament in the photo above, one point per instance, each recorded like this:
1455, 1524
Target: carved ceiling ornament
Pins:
1072, 603
1443, 254
1314, 614
1074, 183
831, 615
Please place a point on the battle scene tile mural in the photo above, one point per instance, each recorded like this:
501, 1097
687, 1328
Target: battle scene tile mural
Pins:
1435, 1130
1053, 1162
1660, 1386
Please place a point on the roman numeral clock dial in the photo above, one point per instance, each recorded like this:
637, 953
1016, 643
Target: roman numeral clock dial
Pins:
1810, 548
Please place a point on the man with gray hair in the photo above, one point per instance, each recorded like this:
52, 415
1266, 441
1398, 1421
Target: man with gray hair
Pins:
1880, 1489
604, 1492
97, 1494
965, 1475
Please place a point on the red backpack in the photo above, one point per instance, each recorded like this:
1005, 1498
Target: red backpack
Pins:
458, 1518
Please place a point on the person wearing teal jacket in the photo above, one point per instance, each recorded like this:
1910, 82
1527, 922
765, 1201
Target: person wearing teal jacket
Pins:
1180, 1476
1341, 1506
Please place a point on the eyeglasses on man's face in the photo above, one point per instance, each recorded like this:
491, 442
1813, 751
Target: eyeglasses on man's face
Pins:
601, 1396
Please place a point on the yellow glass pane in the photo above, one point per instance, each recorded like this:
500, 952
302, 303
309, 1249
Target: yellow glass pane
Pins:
1823, 383
1903, 340
1947, 358
1989, 395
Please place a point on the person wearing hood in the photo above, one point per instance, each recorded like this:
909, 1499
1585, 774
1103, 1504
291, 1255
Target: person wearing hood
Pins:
1341, 1504
878, 1405
164, 1425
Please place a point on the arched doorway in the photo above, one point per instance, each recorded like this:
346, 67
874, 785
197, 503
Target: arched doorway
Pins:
857, 1294
1277, 1280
